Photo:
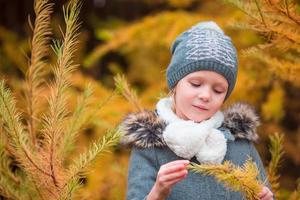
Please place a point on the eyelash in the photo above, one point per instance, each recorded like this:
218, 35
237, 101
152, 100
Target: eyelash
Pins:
197, 85
218, 92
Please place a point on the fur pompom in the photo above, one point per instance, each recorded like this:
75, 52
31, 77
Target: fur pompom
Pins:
143, 129
242, 121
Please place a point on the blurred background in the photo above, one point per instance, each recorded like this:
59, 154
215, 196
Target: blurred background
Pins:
133, 37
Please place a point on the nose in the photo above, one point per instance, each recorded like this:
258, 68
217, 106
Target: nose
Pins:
205, 94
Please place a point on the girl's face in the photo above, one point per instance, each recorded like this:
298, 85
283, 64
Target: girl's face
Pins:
199, 95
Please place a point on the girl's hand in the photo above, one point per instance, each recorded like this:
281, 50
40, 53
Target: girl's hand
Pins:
168, 175
265, 194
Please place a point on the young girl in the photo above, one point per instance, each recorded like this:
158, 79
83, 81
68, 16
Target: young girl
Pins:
189, 126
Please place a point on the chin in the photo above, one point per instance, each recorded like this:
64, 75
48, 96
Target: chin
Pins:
197, 119
200, 119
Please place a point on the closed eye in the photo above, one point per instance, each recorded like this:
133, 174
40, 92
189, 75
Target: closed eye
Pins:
195, 84
218, 92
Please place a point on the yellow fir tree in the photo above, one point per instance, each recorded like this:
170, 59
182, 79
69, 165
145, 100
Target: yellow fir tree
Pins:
278, 21
277, 152
35, 145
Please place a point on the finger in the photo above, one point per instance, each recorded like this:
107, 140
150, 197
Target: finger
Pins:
262, 195
172, 176
174, 181
263, 192
266, 194
173, 168
176, 162
267, 197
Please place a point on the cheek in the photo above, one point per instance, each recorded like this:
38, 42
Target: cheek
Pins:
185, 101
183, 93
218, 103
181, 102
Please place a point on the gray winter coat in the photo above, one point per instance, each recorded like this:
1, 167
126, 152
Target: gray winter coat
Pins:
143, 132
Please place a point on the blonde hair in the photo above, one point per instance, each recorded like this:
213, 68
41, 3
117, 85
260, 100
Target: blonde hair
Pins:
172, 94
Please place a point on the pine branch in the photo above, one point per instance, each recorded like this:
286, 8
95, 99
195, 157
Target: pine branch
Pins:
281, 21
16, 135
276, 150
286, 33
22, 190
236, 178
36, 70
260, 13
286, 11
82, 116
70, 188
296, 193
11, 119
8, 190
5, 162
38, 190
77, 169
92, 115
8, 181
284, 69
246, 8
53, 123
76, 122
124, 88
15, 130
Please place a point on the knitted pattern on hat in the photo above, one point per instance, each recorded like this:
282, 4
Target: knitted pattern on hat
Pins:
203, 47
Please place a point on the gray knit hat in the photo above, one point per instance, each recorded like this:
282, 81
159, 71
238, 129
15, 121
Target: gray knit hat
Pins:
203, 47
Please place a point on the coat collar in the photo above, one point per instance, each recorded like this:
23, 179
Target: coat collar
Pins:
144, 129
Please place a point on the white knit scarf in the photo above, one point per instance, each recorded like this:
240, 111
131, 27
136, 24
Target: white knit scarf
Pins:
187, 138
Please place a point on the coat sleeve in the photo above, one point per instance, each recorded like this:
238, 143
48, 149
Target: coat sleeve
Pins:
260, 166
142, 173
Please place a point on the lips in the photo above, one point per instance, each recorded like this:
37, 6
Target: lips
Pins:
200, 107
